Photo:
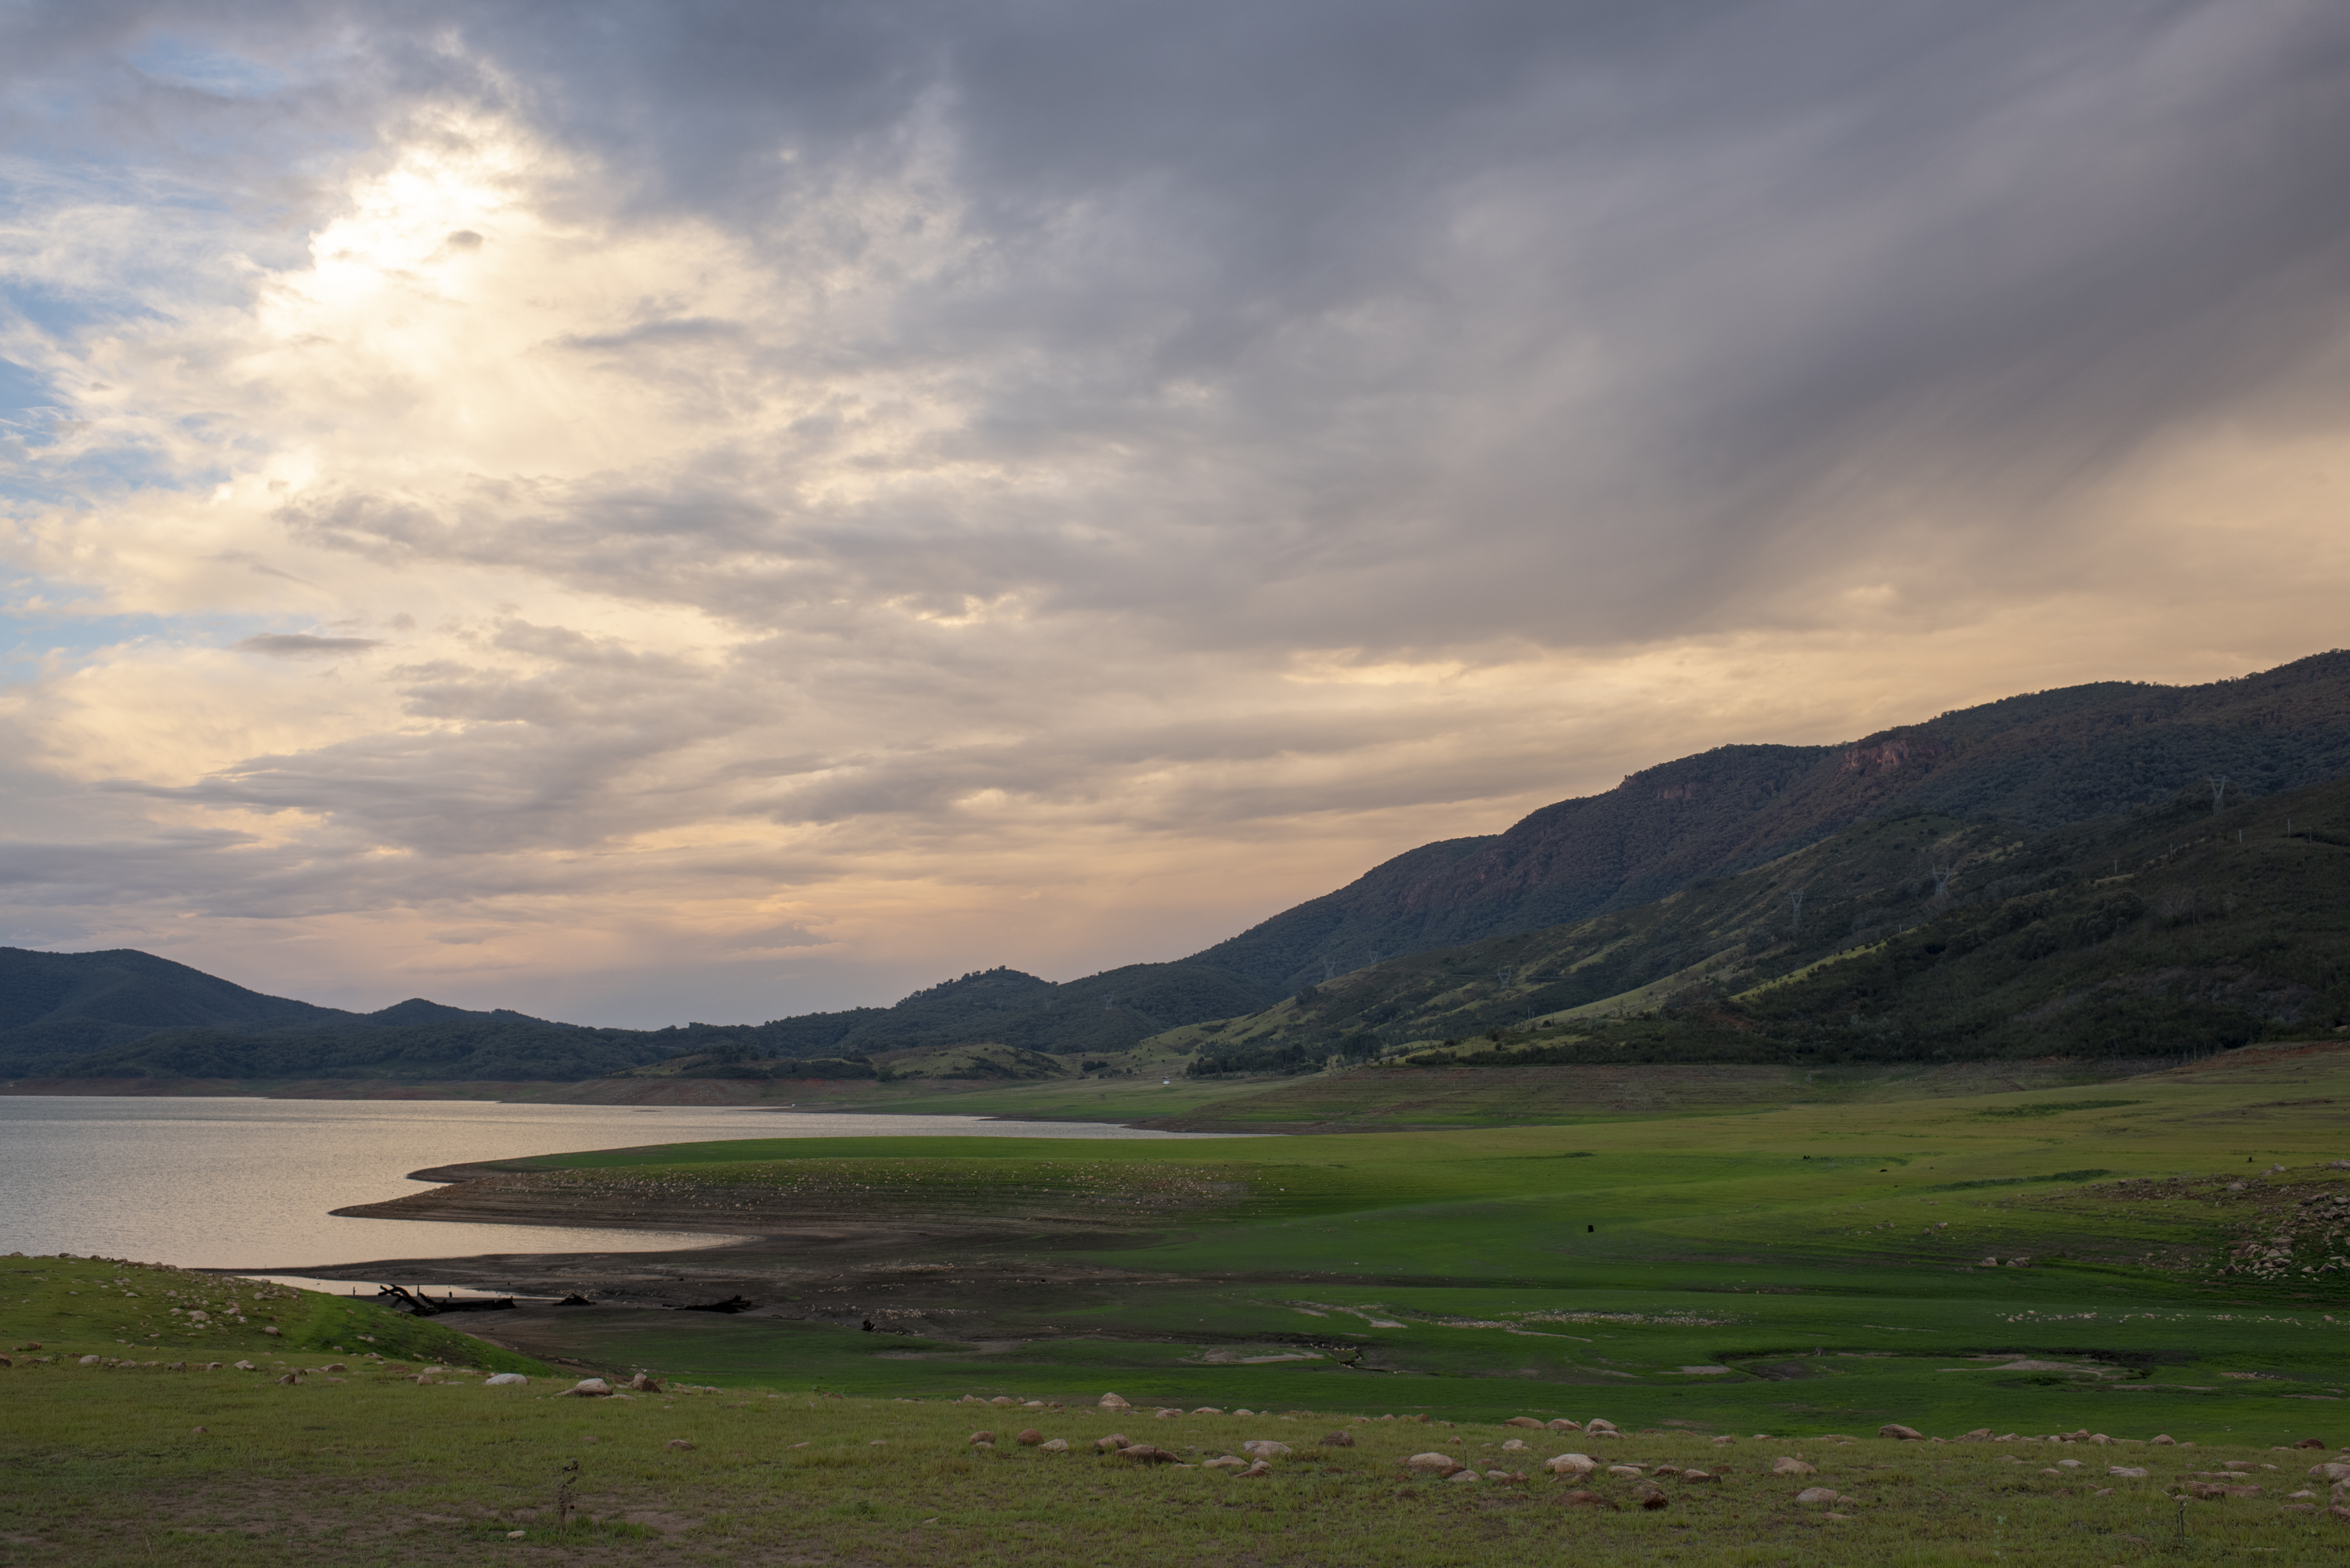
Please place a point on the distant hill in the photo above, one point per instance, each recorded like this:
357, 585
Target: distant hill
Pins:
2168, 929
2036, 762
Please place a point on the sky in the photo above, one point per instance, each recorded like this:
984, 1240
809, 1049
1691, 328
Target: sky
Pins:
648, 512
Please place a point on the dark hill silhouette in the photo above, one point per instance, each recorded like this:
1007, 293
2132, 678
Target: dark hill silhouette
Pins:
2038, 761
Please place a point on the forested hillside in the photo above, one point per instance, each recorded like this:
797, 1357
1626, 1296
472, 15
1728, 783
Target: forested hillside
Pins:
2035, 762
2168, 930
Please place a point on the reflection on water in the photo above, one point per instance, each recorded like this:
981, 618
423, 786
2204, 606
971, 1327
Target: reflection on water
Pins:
247, 1183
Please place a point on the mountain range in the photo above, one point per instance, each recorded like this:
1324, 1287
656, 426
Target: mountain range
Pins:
2030, 765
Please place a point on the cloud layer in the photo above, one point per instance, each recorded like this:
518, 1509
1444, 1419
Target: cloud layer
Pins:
642, 512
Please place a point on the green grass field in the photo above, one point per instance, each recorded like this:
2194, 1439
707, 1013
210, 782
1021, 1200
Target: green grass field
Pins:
2170, 1248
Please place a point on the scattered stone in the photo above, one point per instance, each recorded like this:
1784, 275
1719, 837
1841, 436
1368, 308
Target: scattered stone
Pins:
1464, 1474
1029, 1438
1145, 1454
1655, 1499
586, 1388
1699, 1476
978, 1437
1258, 1468
1340, 1439
291, 1377
1516, 1445
505, 1380
2304, 1443
2165, 1438
271, 1331
678, 1443
1900, 1433
1522, 1421
198, 1431
1979, 1435
1114, 1441
334, 1367
1003, 1399
1580, 1499
1442, 1464
1812, 1495
1723, 1442
241, 1367
1112, 1402
643, 1385
2338, 1512
2129, 1472
979, 1448
1597, 1425
1788, 1465
1563, 1424
1054, 1446
1571, 1464
2099, 1437
1265, 1449
92, 1360
1032, 1403
1666, 1470
1226, 1462
1632, 1472
2332, 1469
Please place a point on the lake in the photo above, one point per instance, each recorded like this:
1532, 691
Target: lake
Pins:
247, 1184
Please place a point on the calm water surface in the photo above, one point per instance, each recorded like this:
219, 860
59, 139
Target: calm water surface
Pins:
247, 1183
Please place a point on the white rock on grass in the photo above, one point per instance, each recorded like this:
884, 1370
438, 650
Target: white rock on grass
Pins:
1786, 1465
1226, 1462
1516, 1445
2133, 1472
1465, 1475
505, 1380
587, 1388
1112, 1402
1265, 1449
1442, 1464
1817, 1494
1571, 1465
1054, 1446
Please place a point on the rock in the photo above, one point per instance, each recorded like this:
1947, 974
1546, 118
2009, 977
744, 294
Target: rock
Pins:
1812, 1495
2165, 1438
644, 1384
2131, 1472
1265, 1449
1440, 1464
1900, 1433
1655, 1499
271, 1331
1515, 1445
2304, 1443
978, 1447
1226, 1462
241, 1367
1580, 1499
1464, 1474
1571, 1465
1338, 1440
1259, 1469
1032, 1403
1632, 1472
970, 1400
589, 1388
678, 1443
505, 1380
1110, 1444
2099, 1437
1522, 1421
1723, 1442
2338, 1512
291, 1377
1598, 1424
1699, 1476
1207, 1410
198, 1431
1112, 1402
1788, 1465
1563, 1424
987, 1437
2332, 1469
1054, 1446
334, 1367
1029, 1438
1979, 1435
1145, 1454
1003, 1399
92, 1360
1666, 1470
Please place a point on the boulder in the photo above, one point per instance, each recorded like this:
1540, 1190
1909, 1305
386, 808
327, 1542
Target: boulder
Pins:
271, 1331
1054, 1446
1631, 1472
1145, 1454
988, 1438
644, 1384
2127, 1472
1653, 1500
1259, 1469
1788, 1465
92, 1360
1571, 1465
1207, 1410
1515, 1445
1699, 1476
1265, 1449
505, 1380
1812, 1495
1337, 1439
1900, 1433
2330, 1470
1598, 1424
1439, 1464
1003, 1399
1522, 1421
241, 1367
1112, 1443
291, 1377
2304, 1443
1029, 1438
1226, 1462
1112, 1402
1580, 1499
1563, 1424
1979, 1435
2165, 1438
589, 1388
1464, 1474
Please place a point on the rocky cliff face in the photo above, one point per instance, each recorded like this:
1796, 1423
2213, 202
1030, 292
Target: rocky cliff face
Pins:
2039, 761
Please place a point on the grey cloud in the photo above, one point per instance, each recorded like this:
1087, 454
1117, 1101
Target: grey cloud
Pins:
302, 645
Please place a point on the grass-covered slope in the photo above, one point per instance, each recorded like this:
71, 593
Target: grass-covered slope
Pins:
2169, 930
